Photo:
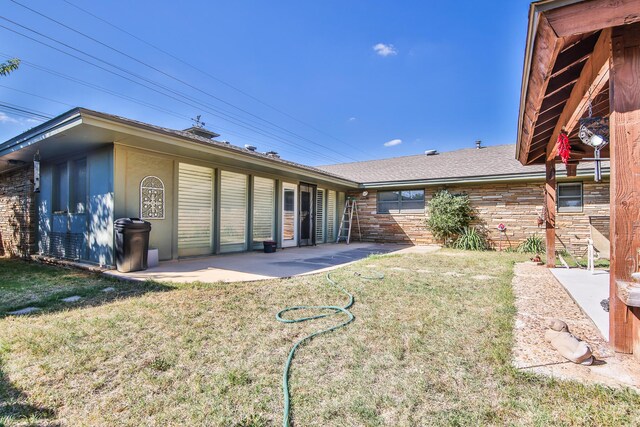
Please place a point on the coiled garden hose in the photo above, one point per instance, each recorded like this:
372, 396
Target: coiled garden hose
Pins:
333, 309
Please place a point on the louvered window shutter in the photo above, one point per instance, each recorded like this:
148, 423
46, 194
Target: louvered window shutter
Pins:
320, 216
233, 211
264, 190
331, 215
195, 207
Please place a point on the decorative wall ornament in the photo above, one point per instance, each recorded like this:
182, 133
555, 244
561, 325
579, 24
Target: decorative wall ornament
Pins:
151, 198
594, 132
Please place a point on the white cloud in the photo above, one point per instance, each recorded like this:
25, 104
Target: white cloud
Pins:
393, 142
352, 119
6, 119
385, 49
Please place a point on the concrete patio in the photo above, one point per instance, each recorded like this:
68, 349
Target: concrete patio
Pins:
587, 290
256, 265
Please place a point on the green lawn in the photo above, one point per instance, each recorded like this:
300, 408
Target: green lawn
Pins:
430, 345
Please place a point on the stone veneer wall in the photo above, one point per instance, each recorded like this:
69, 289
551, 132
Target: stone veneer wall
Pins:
17, 213
516, 205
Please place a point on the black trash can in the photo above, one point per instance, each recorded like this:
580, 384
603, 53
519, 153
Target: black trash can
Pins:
132, 244
269, 246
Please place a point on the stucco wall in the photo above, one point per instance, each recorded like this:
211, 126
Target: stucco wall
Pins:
516, 205
131, 166
17, 213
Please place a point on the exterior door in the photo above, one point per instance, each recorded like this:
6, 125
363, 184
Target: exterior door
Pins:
307, 214
195, 210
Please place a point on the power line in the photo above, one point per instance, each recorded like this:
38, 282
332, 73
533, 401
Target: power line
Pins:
219, 80
215, 112
24, 111
177, 79
37, 96
127, 98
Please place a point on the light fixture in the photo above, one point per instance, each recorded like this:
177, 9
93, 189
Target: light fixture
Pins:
594, 132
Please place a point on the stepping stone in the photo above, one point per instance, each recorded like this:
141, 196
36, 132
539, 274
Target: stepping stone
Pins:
109, 289
72, 299
23, 311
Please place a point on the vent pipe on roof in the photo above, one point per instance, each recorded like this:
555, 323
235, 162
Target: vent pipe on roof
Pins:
431, 152
478, 144
250, 147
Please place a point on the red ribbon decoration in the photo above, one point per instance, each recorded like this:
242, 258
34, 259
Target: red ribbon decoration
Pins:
564, 149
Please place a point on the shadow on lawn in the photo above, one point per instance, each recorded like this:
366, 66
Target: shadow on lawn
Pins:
14, 409
91, 296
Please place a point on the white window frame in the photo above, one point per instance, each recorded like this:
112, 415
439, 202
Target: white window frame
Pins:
569, 209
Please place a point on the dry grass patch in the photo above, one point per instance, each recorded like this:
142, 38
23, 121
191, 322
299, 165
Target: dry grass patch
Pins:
425, 349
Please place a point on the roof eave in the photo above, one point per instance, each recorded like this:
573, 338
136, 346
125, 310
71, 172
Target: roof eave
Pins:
43, 131
535, 9
472, 179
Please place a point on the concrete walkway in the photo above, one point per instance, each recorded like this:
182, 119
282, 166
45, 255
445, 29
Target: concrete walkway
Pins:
587, 290
248, 266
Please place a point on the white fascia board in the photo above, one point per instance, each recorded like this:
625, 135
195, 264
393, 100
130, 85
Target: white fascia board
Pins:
473, 180
221, 151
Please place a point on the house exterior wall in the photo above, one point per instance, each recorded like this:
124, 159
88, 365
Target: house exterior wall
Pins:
17, 213
132, 165
85, 236
517, 205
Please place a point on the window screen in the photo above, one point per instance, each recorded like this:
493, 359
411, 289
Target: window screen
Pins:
570, 197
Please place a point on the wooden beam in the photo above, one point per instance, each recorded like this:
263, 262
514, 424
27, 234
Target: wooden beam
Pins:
624, 323
594, 75
578, 52
594, 15
547, 45
550, 220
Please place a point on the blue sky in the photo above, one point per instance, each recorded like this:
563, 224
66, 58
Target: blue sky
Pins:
341, 78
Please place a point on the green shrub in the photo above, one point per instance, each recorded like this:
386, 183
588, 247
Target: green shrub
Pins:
448, 215
470, 239
532, 245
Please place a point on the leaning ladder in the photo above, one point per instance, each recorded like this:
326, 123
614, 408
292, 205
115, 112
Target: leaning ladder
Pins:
350, 209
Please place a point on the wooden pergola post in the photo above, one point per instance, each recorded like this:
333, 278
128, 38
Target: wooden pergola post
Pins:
550, 208
624, 332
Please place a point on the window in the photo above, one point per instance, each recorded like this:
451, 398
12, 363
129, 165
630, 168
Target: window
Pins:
264, 209
233, 211
289, 214
400, 201
570, 197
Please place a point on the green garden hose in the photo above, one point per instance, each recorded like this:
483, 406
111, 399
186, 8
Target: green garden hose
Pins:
332, 310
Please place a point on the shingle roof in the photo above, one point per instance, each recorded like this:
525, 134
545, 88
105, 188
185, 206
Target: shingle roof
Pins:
487, 162
183, 134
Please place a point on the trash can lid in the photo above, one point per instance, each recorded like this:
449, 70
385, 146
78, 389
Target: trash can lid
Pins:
132, 223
